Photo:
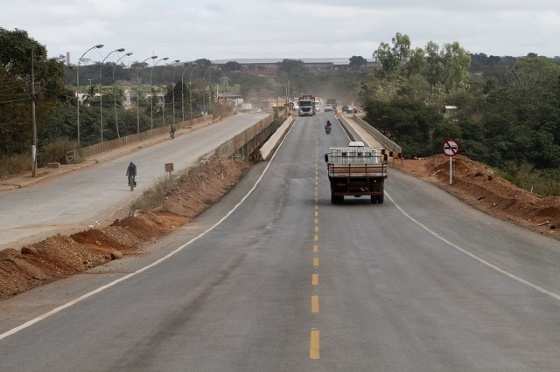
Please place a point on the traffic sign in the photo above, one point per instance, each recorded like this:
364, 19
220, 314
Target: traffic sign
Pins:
450, 147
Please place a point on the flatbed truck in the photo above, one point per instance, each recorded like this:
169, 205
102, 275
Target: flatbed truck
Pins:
356, 170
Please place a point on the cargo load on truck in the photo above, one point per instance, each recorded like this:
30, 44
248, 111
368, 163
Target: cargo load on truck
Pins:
356, 170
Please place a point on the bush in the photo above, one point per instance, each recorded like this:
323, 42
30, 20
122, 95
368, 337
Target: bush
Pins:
541, 182
155, 196
56, 151
14, 164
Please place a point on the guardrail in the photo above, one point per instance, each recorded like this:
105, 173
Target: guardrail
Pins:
138, 137
394, 149
245, 144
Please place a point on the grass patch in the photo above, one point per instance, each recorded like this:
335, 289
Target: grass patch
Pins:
156, 195
541, 182
14, 164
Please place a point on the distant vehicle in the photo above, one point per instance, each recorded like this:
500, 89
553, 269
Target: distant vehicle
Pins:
356, 170
244, 107
348, 109
332, 103
328, 127
328, 108
318, 103
306, 106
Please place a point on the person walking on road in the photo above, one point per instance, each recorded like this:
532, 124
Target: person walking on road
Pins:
131, 174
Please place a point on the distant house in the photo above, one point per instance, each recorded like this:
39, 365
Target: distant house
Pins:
449, 111
230, 98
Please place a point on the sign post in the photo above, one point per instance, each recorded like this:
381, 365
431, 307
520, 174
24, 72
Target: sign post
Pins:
450, 148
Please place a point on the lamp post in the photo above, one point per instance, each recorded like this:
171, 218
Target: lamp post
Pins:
114, 93
138, 93
120, 50
98, 46
191, 68
165, 95
173, 91
152, 88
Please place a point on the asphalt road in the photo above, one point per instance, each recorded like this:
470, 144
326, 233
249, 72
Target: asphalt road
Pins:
82, 197
290, 282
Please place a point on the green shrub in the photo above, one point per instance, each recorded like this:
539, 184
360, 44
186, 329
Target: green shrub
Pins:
14, 164
55, 151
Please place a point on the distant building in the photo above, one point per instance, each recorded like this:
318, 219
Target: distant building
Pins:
230, 98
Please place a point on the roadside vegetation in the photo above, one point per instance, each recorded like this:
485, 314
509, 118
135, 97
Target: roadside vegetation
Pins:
56, 103
504, 111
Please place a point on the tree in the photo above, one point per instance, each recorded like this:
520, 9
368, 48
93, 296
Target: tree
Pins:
292, 67
357, 62
401, 47
232, 66
456, 62
416, 63
203, 62
434, 64
385, 57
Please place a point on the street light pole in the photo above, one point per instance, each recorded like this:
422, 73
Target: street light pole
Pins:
190, 95
189, 64
120, 50
152, 88
34, 147
98, 46
114, 93
138, 93
173, 91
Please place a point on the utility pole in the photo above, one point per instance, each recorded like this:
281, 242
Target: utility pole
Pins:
33, 98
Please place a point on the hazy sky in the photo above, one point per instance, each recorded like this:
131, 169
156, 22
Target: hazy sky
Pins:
283, 28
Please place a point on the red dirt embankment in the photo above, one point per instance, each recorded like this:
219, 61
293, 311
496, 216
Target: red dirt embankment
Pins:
478, 185
60, 256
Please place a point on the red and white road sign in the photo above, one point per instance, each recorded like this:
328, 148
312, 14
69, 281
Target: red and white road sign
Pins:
450, 148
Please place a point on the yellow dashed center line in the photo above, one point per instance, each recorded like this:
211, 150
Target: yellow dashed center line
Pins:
314, 347
315, 248
315, 304
314, 279
315, 261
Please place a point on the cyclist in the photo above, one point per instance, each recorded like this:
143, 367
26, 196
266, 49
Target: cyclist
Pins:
131, 174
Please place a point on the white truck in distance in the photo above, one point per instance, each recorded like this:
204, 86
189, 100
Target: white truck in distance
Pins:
306, 106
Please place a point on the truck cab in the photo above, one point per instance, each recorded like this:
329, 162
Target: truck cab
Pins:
306, 106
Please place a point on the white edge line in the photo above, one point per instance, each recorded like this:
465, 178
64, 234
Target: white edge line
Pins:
470, 254
87, 295
474, 256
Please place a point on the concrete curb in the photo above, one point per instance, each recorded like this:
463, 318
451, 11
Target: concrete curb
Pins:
267, 149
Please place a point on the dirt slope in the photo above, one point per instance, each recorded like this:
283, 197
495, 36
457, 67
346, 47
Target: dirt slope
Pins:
479, 186
60, 256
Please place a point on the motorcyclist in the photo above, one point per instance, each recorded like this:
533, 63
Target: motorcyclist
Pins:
131, 174
172, 131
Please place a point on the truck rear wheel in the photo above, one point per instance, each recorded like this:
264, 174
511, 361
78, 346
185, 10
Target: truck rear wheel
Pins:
381, 198
336, 199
